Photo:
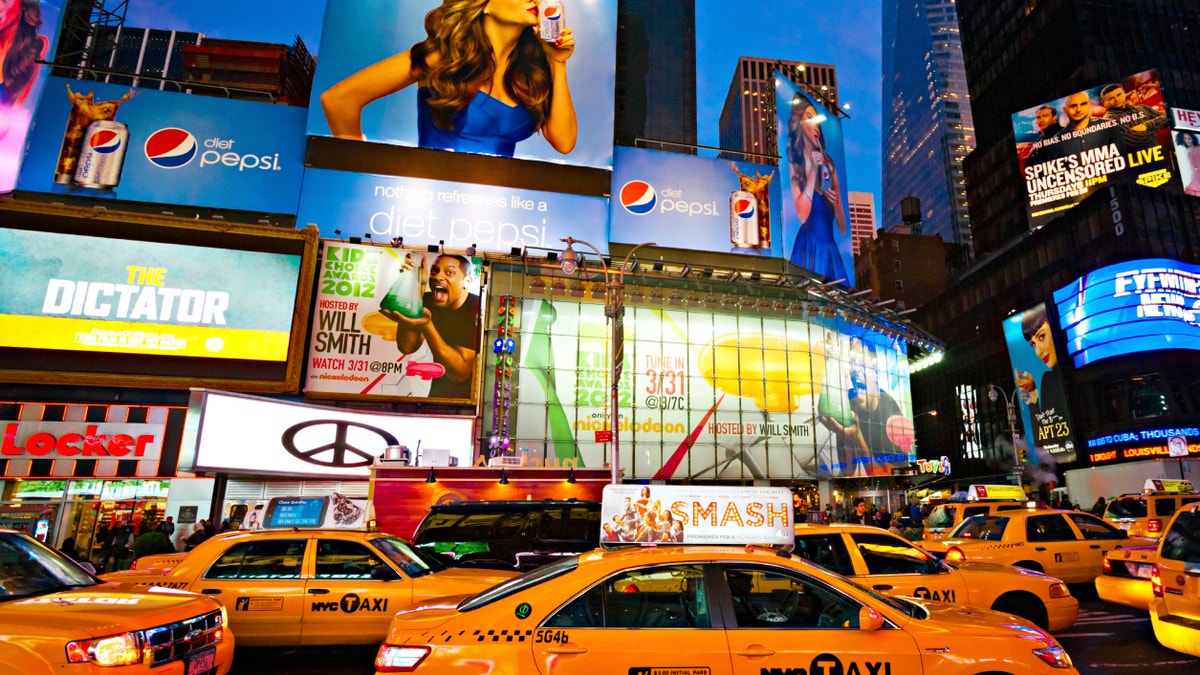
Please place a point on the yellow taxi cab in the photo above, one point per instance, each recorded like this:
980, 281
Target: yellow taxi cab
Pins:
1125, 577
1069, 545
1175, 609
312, 586
56, 617
686, 605
980, 500
885, 562
1146, 513
156, 561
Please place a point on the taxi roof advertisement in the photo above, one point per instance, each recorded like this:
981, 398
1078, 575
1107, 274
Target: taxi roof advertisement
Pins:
1037, 375
455, 215
697, 514
1115, 132
36, 34
697, 203
363, 343
105, 141
365, 45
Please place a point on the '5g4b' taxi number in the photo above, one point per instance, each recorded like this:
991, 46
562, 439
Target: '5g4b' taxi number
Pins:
559, 636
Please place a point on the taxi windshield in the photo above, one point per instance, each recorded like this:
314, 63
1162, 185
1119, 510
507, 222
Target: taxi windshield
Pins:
1126, 508
940, 516
529, 579
414, 562
29, 568
981, 527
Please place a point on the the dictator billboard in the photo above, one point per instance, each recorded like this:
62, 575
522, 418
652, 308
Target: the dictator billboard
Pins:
104, 141
696, 203
1037, 378
1115, 132
705, 395
28, 33
395, 323
429, 74
1129, 308
812, 167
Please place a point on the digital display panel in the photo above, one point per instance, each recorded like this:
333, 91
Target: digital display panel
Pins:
296, 512
1037, 378
1129, 308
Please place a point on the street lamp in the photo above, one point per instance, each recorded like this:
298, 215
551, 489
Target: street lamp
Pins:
995, 392
614, 310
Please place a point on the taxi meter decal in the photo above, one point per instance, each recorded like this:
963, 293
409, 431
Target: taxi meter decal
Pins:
673, 670
243, 604
696, 514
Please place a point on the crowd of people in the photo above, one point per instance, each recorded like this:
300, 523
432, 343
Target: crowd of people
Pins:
117, 540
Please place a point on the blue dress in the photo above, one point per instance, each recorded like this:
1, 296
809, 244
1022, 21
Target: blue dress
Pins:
487, 126
816, 246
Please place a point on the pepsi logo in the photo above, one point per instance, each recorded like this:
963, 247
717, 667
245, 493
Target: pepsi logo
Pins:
105, 141
552, 13
638, 197
744, 208
171, 148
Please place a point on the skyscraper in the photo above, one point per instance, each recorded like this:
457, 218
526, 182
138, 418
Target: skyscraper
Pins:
862, 218
748, 119
928, 116
656, 74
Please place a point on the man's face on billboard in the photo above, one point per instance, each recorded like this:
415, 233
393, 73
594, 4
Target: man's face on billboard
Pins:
1078, 108
448, 282
1046, 117
1114, 98
1043, 345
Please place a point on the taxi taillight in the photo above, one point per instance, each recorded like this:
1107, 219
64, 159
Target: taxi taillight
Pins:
1156, 582
1154, 526
399, 658
1107, 566
955, 554
1059, 590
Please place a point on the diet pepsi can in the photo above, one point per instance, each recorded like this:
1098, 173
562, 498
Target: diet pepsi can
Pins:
551, 20
743, 219
103, 155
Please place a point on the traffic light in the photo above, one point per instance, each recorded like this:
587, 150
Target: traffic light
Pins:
1021, 455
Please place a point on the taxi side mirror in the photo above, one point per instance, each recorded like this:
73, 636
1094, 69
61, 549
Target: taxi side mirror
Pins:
384, 573
869, 619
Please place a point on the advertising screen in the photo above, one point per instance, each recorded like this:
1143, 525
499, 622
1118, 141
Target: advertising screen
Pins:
710, 396
27, 35
382, 77
104, 295
394, 322
696, 203
1114, 132
1187, 154
815, 202
454, 215
1037, 376
108, 142
698, 514
1130, 308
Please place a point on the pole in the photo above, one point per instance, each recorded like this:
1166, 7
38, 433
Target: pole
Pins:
1018, 468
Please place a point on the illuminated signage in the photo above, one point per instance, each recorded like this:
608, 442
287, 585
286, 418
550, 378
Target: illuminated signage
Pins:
1186, 119
1130, 308
129, 444
1037, 378
1115, 132
32, 36
697, 514
108, 295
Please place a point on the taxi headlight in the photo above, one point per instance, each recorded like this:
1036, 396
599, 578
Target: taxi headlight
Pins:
117, 650
1059, 590
955, 554
399, 658
1056, 657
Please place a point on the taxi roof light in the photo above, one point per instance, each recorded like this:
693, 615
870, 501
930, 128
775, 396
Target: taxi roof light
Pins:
399, 658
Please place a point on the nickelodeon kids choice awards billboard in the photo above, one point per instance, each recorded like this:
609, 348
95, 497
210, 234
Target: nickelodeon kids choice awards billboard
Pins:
1113, 132
815, 205
405, 73
711, 396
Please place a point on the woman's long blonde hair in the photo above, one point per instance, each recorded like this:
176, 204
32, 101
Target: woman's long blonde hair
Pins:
454, 31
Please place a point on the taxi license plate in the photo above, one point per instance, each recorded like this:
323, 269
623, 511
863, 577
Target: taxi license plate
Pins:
1144, 571
201, 662
1123, 526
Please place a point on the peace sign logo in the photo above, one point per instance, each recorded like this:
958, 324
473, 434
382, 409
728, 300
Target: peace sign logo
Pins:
338, 453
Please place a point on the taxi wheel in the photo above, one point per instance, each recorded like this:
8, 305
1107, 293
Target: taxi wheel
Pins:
1030, 565
1024, 605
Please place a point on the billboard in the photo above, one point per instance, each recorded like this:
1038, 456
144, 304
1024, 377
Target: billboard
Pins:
1037, 377
454, 215
814, 220
710, 396
696, 203
372, 86
30, 31
1187, 149
1114, 132
105, 141
1130, 308
396, 323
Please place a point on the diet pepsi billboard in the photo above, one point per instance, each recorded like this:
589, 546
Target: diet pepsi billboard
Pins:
455, 215
369, 87
103, 141
697, 203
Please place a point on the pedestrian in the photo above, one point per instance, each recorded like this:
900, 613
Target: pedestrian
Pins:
860, 513
167, 527
68, 548
209, 528
196, 537
225, 525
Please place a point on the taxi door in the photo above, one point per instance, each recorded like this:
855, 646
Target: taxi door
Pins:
785, 622
894, 566
260, 584
1060, 550
650, 621
346, 602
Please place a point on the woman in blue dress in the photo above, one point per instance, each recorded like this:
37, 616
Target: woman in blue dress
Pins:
485, 80
816, 194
